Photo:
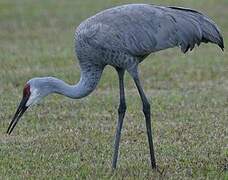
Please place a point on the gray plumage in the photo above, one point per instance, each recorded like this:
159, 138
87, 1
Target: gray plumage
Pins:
123, 37
140, 29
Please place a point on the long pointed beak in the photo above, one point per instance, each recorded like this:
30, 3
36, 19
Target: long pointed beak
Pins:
20, 111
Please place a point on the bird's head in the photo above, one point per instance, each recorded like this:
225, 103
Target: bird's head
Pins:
34, 90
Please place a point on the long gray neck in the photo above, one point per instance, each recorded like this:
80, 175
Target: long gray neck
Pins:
88, 82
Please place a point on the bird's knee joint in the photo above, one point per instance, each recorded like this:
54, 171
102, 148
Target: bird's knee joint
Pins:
122, 108
146, 108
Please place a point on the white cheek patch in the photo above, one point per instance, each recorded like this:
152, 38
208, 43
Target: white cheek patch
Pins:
33, 97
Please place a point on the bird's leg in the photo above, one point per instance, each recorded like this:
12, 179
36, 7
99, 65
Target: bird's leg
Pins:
146, 111
121, 114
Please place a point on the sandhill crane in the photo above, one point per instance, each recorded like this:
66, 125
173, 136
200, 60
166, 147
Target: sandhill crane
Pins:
123, 37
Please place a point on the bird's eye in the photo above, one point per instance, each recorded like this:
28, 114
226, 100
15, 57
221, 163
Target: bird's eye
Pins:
26, 91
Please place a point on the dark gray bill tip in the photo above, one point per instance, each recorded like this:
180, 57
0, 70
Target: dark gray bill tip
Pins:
20, 111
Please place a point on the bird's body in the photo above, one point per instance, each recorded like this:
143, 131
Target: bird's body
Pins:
123, 37
139, 29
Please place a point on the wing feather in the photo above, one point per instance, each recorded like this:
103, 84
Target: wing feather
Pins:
141, 29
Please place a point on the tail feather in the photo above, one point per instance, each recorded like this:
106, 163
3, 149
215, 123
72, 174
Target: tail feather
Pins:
208, 29
211, 33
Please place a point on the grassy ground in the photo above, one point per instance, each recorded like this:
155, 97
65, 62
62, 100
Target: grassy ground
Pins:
65, 138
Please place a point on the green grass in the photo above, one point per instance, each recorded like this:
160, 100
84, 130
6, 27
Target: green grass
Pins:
63, 138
